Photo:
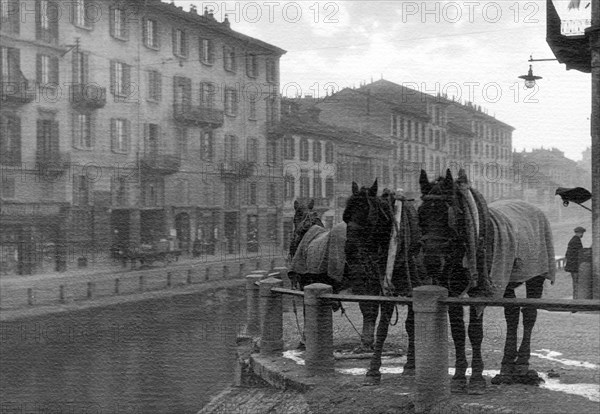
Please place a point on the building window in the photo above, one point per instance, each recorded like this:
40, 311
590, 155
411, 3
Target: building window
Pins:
10, 16
7, 188
272, 152
82, 131
229, 62
272, 194
207, 51
206, 145
303, 149
316, 151
207, 94
252, 150
150, 31
271, 70
48, 14
289, 190
47, 138
251, 65
272, 227
271, 111
304, 185
119, 191
81, 190
289, 147
119, 133
154, 85
329, 191
80, 13
180, 44
329, 153
317, 186
231, 149
120, 75
118, 23
252, 234
79, 62
231, 102
181, 139
10, 140
252, 108
251, 194
47, 70
153, 192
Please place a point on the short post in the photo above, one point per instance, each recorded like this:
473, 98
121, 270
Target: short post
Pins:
431, 347
257, 264
207, 274
169, 282
271, 330
318, 330
241, 269
61, 294
141, 283
189, 277
90, 290
287, 284
252, 312
225, 271
30, 297
117, 283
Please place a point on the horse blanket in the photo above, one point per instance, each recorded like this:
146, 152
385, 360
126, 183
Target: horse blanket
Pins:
523, 245
322, 252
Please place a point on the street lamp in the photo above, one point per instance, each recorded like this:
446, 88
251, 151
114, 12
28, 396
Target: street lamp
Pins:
530, 78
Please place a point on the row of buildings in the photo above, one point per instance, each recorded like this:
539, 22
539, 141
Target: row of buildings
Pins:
140, 122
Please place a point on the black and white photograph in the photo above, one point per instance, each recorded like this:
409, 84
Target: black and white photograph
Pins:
300, 207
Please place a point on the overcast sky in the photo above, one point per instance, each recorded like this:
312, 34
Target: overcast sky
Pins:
474, 50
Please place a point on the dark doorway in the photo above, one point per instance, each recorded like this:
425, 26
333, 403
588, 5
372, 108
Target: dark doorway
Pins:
119, 223
231, 232
182, 227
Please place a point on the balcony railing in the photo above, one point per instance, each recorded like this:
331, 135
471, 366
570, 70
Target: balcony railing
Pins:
52, 161
88, 96
197, 115
161, 162
236, 169
14, 90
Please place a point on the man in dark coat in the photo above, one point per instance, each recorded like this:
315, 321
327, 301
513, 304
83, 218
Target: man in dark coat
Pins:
572, 257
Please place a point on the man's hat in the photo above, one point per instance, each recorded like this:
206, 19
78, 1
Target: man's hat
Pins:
579, 230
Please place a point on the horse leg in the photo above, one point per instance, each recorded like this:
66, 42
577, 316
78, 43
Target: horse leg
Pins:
511, 314
373, 375
369, 312
534, 288
457, 327
409, 325
477, 383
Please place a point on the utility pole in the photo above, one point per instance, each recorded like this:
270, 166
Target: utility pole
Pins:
594, 32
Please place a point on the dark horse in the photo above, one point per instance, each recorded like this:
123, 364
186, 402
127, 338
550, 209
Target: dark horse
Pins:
382, 241
471, 249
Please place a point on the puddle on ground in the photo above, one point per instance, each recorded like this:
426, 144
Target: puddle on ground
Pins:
589, 391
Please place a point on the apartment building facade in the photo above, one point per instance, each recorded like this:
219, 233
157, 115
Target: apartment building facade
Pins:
320, 162
427, 132
128, 122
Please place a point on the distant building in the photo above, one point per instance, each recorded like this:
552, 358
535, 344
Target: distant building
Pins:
427, 132
126, 122
320, 161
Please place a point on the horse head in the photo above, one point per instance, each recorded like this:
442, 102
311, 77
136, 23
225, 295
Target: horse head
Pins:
440, 220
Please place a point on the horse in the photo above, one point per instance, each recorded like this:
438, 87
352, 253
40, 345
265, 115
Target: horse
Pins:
373, 268
474, 249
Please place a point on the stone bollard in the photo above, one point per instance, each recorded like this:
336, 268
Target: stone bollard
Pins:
90, 290
281, 273
252, 305
207, 273
61, 293
188, 280
318, 330
30, 297
271, 328
431, 347
141, 283
169, 279
117, 282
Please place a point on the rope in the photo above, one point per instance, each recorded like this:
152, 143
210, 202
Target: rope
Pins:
344, 313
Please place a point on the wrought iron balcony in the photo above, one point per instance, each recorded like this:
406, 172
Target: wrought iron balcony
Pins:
197, 115
88, 96
160, 162
52, 162
14, 90
236, 169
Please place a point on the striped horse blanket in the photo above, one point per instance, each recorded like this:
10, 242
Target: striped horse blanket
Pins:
321, 251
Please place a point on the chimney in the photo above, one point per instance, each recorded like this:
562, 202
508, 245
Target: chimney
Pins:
226, 22
193, 9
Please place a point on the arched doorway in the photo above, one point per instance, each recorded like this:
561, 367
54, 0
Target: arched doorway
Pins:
182, 227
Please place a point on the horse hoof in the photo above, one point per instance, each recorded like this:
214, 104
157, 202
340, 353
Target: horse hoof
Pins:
301, 346
408, 371
371, 380
531, 378
477, 386
458, 386
335, 306
502, 379
362, 349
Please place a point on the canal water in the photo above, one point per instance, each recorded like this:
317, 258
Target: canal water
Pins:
161, 356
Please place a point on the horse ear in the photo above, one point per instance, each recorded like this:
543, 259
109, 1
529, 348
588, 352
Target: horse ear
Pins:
296, 204
311, 203
354, 188
448, 180
462, 177
424, 182
373, 189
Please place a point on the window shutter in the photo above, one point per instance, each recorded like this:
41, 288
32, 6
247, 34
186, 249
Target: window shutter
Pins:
211, 51
75, 190
38, 67
54, 138
75, 129
145, 31
174, 39
111, 20
146, 138
248, 64
126, 78
233, 60
112, 77
158, 83
38, 20
185, 43
54, 70
127, 134
113, 134
39, 137
90, 130
75, 67
225, 56
85, 70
